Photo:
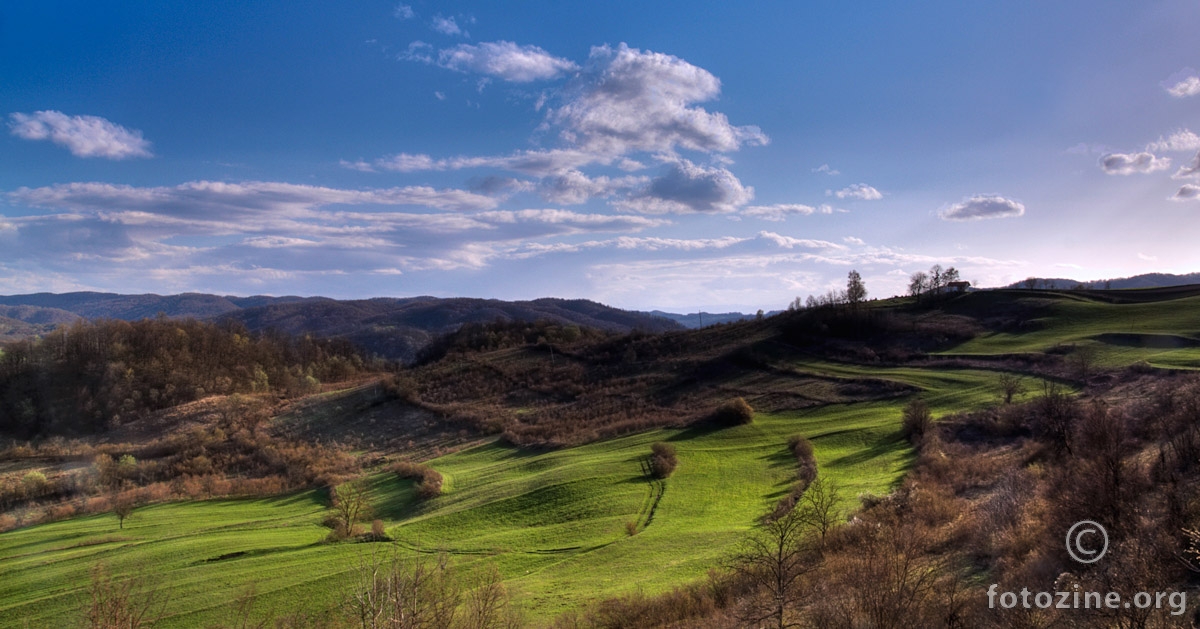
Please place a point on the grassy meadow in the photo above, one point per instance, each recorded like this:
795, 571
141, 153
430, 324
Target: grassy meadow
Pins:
553, 522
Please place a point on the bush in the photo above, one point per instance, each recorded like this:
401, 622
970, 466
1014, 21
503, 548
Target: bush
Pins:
806, 462
429, 480
631, 528
917, 420
735, 412
662, 459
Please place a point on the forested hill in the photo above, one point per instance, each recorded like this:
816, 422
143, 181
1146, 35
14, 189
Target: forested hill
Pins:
394, 328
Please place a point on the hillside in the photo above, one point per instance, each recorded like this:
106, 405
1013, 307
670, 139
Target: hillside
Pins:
1146, 280
540, 433
394, 328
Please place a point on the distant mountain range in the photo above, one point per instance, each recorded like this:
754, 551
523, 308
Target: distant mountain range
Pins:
1147, 280
700, 319
396, 328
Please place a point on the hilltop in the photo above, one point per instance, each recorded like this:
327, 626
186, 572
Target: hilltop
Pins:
394, 328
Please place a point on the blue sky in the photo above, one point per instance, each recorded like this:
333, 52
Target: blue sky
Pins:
647, 155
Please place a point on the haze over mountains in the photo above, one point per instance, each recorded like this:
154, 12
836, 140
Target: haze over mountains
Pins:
395, 328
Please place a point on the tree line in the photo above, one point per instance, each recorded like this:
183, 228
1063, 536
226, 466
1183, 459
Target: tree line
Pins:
91, 376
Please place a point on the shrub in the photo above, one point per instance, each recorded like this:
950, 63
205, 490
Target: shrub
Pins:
662, 459
735, 412
631, 528
806, 462
917, 420
429, 480
378, 532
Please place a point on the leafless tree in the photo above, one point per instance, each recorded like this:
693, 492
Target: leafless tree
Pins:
774, 558
121, 604
123, 505
350, 505
1011, 385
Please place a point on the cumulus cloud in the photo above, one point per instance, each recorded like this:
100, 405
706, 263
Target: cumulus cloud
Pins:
778, 211
1182, 140
84, 136
621, 103
506, 60
1130, 163
981, 207
859, 191
404, 12
628, 100
824, 168
687, 188
1189, 192
1182, 84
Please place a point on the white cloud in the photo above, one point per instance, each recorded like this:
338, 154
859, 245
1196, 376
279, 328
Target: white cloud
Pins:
981, 207
506, 60
573, 187
214, 198
787, 242
1191, 170
404, 12
1142, 256
859, 191
1181, 140
84, 136
627, 100
686, 188
447, 26
824, 168
277, 242
778, 211
1130, 163
1188, 192
851, 240
1182, 84
439, 95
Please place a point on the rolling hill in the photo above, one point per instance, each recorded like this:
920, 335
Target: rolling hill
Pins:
395, 328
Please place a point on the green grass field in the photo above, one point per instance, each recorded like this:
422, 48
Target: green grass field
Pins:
1161, 333
553, 522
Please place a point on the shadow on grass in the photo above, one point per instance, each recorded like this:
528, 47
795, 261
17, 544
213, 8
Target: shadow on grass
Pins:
883, 446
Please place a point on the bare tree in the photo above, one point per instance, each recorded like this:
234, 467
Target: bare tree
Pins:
1083, 360
1010, 385
916, 420
350, 505
488, 605
126, 604
418, 593
774, 558
1030, 283
819, 507
935, 279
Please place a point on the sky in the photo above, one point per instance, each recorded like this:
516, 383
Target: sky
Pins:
674, 155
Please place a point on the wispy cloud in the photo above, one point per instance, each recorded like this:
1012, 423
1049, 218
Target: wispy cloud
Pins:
1190, 170
404, 12
778, 211
859, 191
824, 168
84, 136
1179, 141
983, 207
505, 60
447, 26
1131, 163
